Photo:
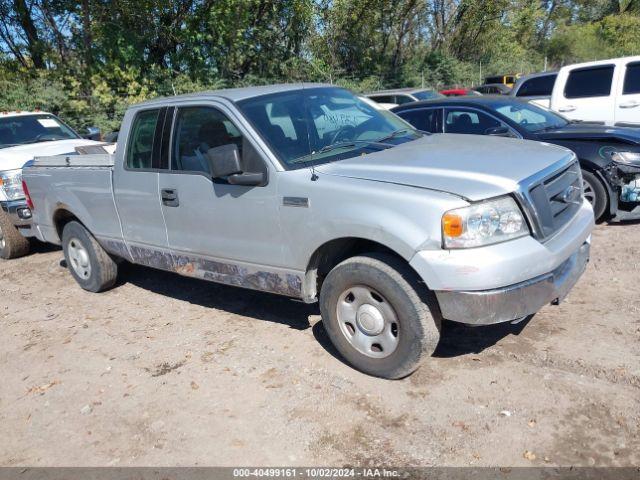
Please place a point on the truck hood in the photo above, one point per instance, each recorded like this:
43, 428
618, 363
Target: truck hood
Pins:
12, 158
469, 166
590, 131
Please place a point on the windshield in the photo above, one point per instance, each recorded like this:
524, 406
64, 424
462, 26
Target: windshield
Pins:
319, 125
427, 95
530, 117
24, 129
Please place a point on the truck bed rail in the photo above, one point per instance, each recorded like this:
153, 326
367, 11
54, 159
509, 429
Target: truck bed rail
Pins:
93, 160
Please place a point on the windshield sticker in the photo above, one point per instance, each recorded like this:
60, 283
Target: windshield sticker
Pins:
48, 123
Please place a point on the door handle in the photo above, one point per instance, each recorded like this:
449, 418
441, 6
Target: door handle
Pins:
568, 108
629, 104
170, 197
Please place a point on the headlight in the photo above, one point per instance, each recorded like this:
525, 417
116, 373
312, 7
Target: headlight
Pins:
626, 157
484, 223
11, 184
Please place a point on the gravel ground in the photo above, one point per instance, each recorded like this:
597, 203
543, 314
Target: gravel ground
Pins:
169, 371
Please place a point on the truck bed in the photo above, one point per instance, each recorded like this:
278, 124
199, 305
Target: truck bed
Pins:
81, 184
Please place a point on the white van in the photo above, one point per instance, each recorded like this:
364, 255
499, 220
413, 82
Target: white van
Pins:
607, 92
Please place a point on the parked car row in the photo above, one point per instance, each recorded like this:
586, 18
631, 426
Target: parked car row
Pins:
310, 192
606, 92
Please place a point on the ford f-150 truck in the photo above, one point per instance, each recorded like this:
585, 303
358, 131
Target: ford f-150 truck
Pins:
22, 136
307, 191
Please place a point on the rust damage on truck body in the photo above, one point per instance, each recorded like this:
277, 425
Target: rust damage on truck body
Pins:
236, 275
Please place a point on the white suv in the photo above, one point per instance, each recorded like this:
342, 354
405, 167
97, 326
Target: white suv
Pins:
606, 92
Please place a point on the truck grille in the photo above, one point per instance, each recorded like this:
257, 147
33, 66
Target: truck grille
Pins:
555, 199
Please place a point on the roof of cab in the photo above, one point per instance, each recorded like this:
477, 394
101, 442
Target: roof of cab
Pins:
236, 94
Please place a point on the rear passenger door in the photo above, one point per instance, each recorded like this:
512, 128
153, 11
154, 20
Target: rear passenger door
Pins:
425, 119
588, 94
136, 185
217, 230
628, 100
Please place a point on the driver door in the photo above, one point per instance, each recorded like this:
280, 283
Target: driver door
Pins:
217, 230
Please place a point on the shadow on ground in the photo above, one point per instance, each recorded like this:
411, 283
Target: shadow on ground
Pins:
239, 301
457, 339
460, 339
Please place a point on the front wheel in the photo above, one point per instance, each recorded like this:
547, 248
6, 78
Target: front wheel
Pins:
12, 244
379, 316
596, 193
89, 264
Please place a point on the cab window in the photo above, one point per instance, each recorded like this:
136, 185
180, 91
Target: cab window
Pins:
537, 86
140, 149
198, 130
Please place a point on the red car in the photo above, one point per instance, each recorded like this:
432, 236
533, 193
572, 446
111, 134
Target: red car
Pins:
458, 92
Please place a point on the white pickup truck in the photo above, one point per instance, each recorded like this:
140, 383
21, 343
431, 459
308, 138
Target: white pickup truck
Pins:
605, 92
23, 135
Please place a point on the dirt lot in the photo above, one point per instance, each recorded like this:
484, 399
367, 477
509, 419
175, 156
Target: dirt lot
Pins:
164, 370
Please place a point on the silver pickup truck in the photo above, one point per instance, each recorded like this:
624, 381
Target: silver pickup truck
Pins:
309, 192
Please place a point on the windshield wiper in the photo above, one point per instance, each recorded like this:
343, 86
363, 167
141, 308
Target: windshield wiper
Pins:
395, 134
349, 144
30, 142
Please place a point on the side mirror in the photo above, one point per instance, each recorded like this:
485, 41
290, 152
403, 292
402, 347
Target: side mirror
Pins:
498, 132
92, 133
224, 161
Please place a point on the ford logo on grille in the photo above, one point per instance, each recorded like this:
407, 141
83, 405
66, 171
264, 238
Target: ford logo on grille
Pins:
571, 194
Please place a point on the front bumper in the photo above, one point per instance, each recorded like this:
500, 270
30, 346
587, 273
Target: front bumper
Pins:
20, 215
486, 307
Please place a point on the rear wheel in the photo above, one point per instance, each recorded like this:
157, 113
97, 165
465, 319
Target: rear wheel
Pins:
12, 244
596, 193
88, 262
378, 315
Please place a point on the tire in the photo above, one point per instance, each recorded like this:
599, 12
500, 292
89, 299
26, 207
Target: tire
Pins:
12, 244
596, 193
90, 265
360, 291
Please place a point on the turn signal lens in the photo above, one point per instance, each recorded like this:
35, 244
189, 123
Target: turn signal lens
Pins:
452, 225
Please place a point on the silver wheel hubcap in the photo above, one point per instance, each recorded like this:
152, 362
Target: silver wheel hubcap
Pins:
79, 258
589, 193
2, 240
368, 321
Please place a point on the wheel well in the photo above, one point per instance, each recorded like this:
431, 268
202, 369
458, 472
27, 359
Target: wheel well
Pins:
61, 218
326, 257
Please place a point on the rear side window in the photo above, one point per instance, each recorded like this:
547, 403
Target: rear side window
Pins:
401, 99
140, 151
632, 79
469, 122
421, 119
383, 98
537, 87
589, 82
